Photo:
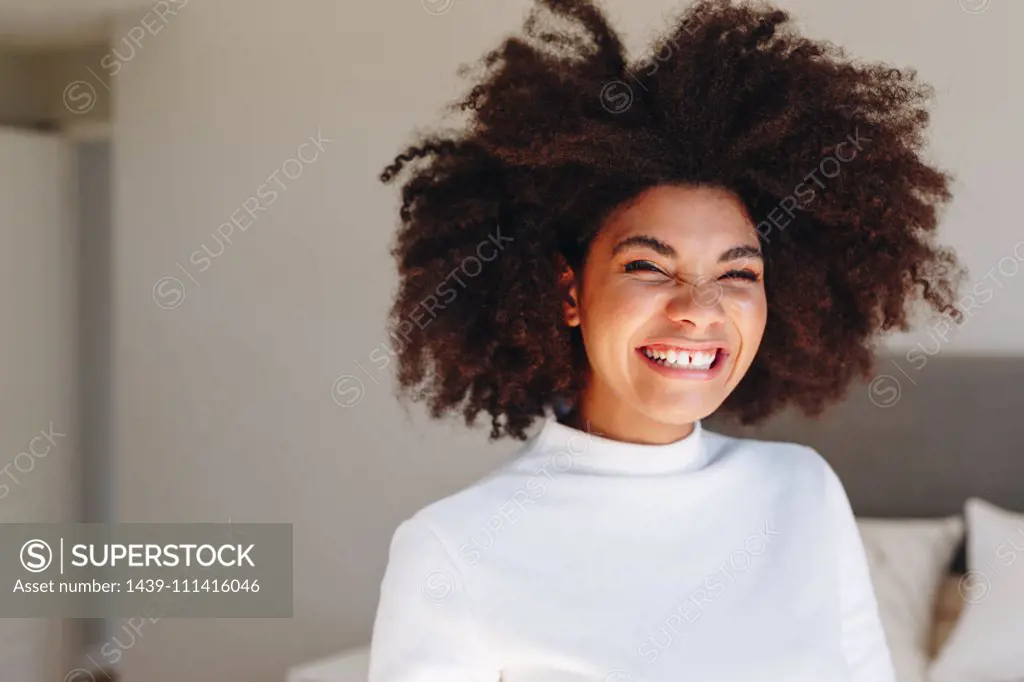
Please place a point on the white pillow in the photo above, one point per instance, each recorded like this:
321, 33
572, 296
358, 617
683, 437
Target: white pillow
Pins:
987, 642
907, 559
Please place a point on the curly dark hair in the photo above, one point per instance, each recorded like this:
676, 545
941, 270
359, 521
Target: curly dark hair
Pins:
562, 129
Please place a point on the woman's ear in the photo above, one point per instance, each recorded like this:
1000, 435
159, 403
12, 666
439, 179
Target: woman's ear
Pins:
568, 285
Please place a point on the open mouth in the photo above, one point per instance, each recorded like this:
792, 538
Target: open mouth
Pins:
703, 362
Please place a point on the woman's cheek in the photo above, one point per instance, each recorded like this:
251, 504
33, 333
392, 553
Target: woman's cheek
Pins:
745, 295
635, 298
747, 306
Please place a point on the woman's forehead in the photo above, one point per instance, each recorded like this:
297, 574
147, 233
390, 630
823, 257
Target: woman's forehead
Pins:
671, 220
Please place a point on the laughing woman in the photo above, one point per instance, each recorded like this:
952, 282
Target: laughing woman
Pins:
614, 251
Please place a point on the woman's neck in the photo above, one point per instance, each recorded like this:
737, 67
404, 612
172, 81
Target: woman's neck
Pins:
621, 422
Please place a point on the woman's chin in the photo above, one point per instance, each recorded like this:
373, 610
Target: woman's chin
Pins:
676, 409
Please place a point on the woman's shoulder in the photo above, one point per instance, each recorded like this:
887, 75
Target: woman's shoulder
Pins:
488, 499
783, 465
786, 457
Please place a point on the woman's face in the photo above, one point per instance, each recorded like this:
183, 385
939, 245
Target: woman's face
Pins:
672, 309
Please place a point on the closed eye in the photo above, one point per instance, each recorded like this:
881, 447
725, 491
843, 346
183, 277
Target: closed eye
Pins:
741, 274
648, 266
642, 266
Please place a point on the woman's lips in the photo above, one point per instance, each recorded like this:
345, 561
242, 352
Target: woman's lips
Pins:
721, 357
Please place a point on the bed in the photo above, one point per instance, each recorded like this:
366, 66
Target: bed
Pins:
915, 446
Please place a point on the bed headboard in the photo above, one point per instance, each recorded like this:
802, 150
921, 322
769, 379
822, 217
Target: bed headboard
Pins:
917, 442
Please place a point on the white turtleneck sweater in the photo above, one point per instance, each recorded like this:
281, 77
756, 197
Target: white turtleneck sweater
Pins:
584, 558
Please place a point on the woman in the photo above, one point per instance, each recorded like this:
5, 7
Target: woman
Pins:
618, 250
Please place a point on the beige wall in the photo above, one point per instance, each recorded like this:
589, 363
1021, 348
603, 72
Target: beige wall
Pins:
223, 397
77, 88
61, 22
39, 434
45, 9
19, 99
65, 86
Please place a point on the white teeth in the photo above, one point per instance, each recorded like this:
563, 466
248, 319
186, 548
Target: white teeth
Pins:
681, 358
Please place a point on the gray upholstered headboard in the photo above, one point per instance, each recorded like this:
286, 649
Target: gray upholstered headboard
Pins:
917, 442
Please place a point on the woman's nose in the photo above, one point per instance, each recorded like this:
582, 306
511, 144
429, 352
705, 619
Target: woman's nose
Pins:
697, 301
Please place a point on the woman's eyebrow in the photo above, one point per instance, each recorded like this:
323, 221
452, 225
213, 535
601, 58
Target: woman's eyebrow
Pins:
740, 253
643, 240
735, 253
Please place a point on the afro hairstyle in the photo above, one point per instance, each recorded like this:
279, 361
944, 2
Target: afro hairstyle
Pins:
559, 128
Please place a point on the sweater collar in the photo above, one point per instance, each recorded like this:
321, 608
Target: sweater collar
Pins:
590, 453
